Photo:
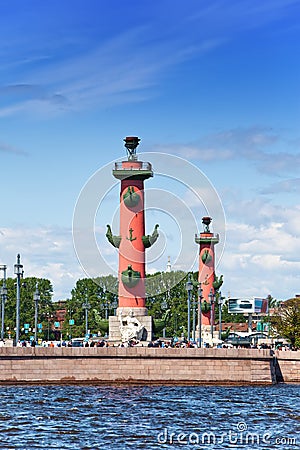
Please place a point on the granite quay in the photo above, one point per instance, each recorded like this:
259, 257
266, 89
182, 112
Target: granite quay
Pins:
142, 365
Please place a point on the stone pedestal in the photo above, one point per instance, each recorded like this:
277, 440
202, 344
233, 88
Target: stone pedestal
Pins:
115, 334
129, 310
206, 337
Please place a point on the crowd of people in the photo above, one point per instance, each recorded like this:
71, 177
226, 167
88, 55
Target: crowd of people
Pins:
157, 343
33, 343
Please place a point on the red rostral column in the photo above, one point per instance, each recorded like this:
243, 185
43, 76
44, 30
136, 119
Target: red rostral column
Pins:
207, 277
132, 241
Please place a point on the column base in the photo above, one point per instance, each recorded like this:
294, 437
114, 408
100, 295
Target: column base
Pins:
206, 337
129, 310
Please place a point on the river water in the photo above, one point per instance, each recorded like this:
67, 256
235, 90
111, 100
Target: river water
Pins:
149, 417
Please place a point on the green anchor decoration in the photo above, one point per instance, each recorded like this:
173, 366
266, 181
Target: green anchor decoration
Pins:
130, 235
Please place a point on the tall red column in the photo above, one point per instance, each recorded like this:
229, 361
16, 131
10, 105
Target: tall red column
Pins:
132, 241
207, 241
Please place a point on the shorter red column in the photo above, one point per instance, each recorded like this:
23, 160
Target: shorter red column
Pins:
207, 241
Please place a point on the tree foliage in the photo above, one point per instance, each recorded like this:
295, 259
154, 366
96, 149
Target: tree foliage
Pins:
96, 299
98, 296
46, 308
166, 292
286, 320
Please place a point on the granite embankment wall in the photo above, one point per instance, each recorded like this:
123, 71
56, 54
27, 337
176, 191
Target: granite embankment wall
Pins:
287, 366
139, 365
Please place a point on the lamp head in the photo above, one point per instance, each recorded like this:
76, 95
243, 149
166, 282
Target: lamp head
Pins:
206, 222
131, 143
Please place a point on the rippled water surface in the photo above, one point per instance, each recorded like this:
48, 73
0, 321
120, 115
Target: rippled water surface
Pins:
149, 417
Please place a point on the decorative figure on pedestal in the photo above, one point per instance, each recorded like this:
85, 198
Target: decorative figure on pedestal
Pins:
130, 327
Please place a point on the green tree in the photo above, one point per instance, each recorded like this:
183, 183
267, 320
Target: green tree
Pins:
99, 296
266, 319
166, 291
272, 302
27, 306
286, 320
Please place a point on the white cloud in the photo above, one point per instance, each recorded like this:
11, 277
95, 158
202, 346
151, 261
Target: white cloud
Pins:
258, 259
261, 259
256, 144
116, 71
240, 16
45, 252
289, 185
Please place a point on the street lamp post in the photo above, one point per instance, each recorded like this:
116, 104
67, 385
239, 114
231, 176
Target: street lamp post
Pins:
220, 315
194, 318
106, 309
114, 305
105, 303
18, 270
48, 327
86, 306
211, 300
200, 291
189, 288
3, 298
176, 316
164, 306
36, 298
71, 322
49, 320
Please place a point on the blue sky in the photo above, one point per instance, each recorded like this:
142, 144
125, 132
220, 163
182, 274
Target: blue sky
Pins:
215, 83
